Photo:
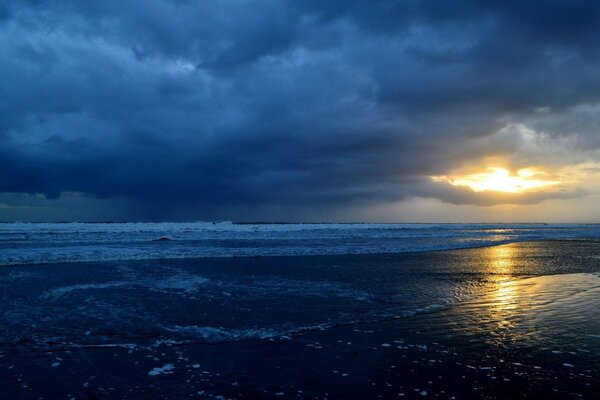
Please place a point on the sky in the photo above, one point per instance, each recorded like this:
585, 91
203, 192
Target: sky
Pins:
276, 110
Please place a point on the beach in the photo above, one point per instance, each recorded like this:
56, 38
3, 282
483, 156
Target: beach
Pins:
331, 200
514, 320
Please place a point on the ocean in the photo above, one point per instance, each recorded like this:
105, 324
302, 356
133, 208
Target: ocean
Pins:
36, 243
302, 311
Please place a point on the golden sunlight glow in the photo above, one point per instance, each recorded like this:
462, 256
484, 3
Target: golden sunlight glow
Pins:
501, 258
500, 180
502, 302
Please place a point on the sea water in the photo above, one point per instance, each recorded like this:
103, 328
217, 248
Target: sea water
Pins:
350, 301
36, 243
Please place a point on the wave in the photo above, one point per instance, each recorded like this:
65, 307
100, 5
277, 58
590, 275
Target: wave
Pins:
30, 243
195, 334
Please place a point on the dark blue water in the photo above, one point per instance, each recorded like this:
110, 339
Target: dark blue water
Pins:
517, 318
26, 243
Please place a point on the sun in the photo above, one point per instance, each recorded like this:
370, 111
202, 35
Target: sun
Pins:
500, 180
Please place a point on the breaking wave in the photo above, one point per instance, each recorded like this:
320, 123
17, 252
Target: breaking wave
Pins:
37, 243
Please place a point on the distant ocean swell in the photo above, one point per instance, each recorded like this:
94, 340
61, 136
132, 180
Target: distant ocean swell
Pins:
36, 243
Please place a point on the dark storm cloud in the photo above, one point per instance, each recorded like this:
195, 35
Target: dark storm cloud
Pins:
273, 102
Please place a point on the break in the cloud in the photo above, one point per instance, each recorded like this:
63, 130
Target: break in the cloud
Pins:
274, 109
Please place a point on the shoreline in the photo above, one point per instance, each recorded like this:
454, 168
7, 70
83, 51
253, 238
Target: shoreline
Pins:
392, 253
492, 322
424, 356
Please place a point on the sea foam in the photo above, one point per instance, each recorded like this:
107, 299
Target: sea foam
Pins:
36, 243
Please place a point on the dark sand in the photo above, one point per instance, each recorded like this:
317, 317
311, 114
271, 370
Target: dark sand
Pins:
513, 321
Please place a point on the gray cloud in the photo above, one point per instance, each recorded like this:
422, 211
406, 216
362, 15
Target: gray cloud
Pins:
274, 103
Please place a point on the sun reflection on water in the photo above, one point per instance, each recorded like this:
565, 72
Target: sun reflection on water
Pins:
503, 298
502, 259
512, 308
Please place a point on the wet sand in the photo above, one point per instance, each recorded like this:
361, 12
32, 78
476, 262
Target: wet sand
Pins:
512, 321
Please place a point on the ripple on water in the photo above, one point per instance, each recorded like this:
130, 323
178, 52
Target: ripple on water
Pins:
553, 310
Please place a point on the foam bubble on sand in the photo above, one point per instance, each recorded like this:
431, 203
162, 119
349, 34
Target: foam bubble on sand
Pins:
184, 282
265, 287
55, 293
217, 335
181, 282
165, 369
17, 275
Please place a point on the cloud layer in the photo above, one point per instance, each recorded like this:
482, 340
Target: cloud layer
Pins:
292, 104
